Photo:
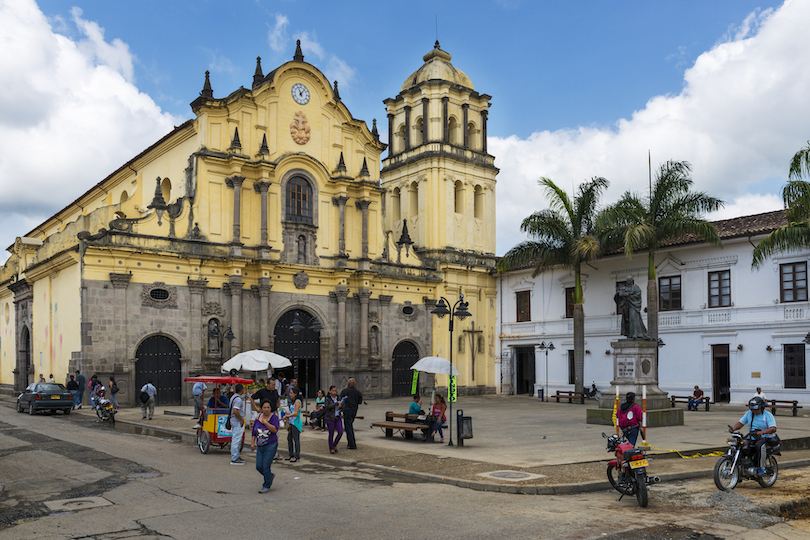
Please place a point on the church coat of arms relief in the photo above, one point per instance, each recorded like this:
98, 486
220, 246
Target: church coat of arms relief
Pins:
299, 128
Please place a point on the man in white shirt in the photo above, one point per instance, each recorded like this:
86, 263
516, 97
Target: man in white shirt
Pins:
237, 412
760, 394
151, 391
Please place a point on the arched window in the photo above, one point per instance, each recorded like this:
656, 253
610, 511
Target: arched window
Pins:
479, 202
124, 196
166, 188
396, 203
459, 206
299, 200
399, 145
417, 133
455, 131
413, 204
472, 137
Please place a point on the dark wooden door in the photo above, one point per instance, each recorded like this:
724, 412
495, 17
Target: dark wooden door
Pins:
405, 355
158, 360
303, 348
721, 374
524, 370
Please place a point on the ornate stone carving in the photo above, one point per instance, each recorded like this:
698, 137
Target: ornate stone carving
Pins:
301, 280
197, 286
213, 308
120, 281
374, 316
159, 295
408, 311
299, 128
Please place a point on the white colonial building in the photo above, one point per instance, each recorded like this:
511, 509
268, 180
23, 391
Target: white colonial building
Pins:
726, 327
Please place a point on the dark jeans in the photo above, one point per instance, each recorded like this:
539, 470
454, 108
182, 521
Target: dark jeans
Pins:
316, 418
348, 425
632, 436
264, 459
760, 449
294, 442
693, 403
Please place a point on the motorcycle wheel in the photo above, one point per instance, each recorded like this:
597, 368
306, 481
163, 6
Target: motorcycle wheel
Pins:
641, 489
725, 477
100, 413
773, 470
204, 441
613, 478
112, 418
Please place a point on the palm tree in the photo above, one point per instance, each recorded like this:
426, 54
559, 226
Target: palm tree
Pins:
563, 235
796, 196
645, 222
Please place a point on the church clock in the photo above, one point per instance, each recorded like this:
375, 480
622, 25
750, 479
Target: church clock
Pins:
300, 94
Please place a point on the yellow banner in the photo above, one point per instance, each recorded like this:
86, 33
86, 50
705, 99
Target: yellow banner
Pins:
415, 383
453, 389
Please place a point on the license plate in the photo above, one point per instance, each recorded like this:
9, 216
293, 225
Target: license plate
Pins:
108, 407
55, 397
638, 463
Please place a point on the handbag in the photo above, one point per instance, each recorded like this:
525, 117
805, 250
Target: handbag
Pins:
228, 424
115, 389
144, 397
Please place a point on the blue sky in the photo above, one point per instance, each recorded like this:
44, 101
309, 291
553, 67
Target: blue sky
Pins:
579, 89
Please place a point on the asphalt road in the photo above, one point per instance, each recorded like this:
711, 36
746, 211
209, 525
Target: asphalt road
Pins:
157, 487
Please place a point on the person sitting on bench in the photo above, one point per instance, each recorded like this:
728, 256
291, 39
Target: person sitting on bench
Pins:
696, 399
217, 401
416, 405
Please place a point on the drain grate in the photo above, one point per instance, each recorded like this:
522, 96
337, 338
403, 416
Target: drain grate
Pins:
512, 476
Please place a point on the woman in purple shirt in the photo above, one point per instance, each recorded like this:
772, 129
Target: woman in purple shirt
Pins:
265, 443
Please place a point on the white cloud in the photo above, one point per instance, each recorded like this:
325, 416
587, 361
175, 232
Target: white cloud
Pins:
277, 34
69, 114
310, 45
740, 117
749, 204
336, 68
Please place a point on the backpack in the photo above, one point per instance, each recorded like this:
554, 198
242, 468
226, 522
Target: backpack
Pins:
144, 397
624, 421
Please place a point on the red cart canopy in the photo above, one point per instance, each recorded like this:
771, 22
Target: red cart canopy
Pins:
218, 380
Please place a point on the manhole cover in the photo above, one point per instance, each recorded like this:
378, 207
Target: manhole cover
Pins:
82, 503
511, 476
144, 475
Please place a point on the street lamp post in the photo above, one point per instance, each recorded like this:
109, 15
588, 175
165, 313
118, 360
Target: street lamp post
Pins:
459, 310
544, 347
297, 326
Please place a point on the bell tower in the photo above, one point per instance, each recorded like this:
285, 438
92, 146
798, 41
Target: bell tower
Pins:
438, 174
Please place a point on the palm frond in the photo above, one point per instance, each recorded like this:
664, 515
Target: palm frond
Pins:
792, 237
800, 164
796, 196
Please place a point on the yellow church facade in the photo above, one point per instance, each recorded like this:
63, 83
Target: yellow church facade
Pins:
272, 221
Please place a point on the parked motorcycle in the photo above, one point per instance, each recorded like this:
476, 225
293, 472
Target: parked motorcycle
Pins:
594, 392
105, 410
740, 461
627, 472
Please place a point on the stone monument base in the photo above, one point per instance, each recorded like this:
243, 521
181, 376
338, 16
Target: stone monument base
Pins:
655, 417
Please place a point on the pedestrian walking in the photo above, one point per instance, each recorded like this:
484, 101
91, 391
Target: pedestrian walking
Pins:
351, 398
80, 380
237, 417
294, 425
332, 417
73, 388
114, 390
265, 442
149, 404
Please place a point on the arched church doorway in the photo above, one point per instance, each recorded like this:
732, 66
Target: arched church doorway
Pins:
158, 360
23, 360
405, 355
303, 348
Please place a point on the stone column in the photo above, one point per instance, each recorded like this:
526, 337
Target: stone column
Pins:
390, 135
264, 313
120, 282
445, 120
465, 130
261, 188
425, 120
341, 293
363, 207
235, 182
484, 114
407, 127
363, 296
235, 289
197, 287
340, 202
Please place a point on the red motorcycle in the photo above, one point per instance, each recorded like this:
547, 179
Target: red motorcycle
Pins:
627, 472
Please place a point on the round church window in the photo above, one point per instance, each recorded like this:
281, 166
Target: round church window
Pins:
159, 294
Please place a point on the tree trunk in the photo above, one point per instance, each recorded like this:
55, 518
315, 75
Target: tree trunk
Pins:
652, 318
579, 348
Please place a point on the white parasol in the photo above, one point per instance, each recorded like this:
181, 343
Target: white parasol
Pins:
435, 364
255, 360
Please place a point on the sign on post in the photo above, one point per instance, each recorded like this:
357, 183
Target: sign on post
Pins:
415, 382
453, 390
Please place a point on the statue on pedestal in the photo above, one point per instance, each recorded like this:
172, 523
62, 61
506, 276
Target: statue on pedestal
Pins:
628, 299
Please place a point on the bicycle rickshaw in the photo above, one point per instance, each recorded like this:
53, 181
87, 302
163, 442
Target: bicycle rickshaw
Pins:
212, 431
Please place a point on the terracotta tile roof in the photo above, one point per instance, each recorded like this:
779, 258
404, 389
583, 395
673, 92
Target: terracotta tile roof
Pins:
753, 225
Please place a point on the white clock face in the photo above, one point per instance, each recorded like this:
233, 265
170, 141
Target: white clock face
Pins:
300, 94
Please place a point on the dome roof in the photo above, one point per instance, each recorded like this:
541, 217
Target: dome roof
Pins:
437, 66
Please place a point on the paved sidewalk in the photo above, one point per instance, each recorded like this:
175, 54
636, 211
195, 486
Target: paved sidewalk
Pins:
549, 441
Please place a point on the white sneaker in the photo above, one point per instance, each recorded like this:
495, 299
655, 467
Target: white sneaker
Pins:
197, 425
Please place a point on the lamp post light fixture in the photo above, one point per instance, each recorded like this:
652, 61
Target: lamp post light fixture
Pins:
544, 347
459, 310
215, 332
297, 326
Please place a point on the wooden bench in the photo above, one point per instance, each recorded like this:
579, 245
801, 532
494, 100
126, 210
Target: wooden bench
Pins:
685, 399
570, 395
777, 404
306, 415
407, 425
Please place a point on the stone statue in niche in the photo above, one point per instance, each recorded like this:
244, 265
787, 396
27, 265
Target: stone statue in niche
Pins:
628, 299
213, 337
302, 249
373, 341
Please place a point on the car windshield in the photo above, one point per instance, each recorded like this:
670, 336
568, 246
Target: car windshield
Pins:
50, 387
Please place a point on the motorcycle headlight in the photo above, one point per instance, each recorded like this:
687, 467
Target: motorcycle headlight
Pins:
731, 440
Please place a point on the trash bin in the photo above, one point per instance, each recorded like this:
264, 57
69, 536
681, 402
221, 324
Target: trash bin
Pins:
540, 393
464, 427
